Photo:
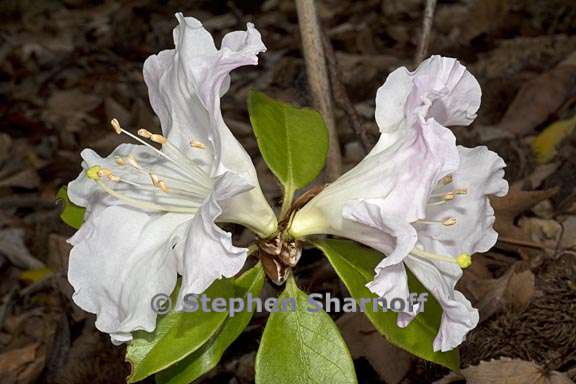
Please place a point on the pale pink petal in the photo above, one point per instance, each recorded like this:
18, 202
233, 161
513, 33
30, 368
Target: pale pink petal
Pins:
440, 87
208, 253
185, 86
458, 316
399, 179
481, 173
121, 258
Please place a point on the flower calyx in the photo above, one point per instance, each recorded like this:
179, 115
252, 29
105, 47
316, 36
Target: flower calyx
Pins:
278, 255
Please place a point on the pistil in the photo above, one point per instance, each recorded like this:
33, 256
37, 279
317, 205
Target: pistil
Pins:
463, 260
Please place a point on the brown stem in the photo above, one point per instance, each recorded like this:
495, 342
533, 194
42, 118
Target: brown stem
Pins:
522, 243
426, 29
341, 96
318, 79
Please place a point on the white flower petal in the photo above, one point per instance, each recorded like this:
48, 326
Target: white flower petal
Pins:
415, 149
133, 244
120, 259
173, 94
481, 173
208, 251
390, 282
440, 87
398, 237
394, 236
458, 315
399, 179
185, 86
391, 100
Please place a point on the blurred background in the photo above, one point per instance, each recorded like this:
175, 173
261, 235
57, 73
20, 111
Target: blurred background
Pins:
68, 67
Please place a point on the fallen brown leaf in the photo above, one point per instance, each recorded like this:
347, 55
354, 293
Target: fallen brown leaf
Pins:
541, 173
508, 208
390, 362
22, 366
513, 290
13, 247
545, 232
483, 17
539, 98
27, 178
507, 371
520, 289
569, 236
69, 109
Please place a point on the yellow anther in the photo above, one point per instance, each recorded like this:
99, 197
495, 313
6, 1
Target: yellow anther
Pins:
464, 260
116, 125
461, 191
93, 172
448, 196
104, 172
119, 160
447, 180
114, 178
154, 179
158, 139
449, 221
132, 161
162, 185
197, 144
144, 133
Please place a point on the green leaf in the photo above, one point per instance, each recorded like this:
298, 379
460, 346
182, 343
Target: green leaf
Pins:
207, 357
177, 335
355, 265
72, 214
302, 346
293, 141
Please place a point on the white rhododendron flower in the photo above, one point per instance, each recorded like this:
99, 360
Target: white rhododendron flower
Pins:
417, 197
151, 213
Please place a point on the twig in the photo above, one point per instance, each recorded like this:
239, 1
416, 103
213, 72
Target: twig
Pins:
426, 29
7, 305
318, 79
40, 285
341, 96
30, 200
522, 243
557, 249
